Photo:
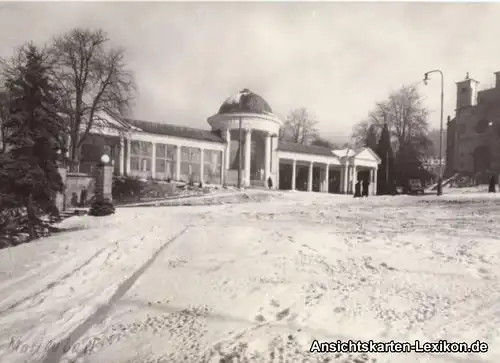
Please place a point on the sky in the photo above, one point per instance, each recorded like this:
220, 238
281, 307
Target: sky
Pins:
337, 59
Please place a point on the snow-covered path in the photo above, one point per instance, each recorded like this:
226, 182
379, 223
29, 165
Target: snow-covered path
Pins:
257, 282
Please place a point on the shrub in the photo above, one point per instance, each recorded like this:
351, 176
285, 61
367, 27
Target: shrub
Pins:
101, 208
127, 188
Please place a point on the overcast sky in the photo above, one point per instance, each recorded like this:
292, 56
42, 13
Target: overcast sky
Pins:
335, 59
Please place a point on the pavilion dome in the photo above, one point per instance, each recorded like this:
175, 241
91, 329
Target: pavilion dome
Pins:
245, 101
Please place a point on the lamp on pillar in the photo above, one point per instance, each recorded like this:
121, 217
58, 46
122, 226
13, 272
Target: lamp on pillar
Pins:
102, 205
104, 159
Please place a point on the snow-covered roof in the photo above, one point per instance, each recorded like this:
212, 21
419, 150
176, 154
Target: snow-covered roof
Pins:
345, 152
174, 130
245, 101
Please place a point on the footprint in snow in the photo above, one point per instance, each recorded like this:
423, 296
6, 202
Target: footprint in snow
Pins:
384, 265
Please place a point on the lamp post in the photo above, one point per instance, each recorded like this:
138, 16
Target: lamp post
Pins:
440, 179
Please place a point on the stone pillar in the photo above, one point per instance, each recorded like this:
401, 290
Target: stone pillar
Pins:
227, 136
153, 160
294, 173
248, 150
370, 187
103, 182
127, 167
267, 157
374, 185
202, 165
122, 157
345, 181
327, 179
60, 197
354, 177
310, 179
178, 163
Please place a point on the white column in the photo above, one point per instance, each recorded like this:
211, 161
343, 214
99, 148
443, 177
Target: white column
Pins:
374, 185
294, 173
178, 163
121, 166
248, 150
327, 172
228, 148
202, 165
127, 168
354, 177
153, 160
310, 179
267, 158
345, 181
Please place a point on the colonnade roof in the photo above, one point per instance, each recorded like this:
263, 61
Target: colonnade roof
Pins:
175, 131
305, 149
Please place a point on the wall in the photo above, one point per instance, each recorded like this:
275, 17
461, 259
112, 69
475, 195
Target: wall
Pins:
75, 183
60, 197
468, 139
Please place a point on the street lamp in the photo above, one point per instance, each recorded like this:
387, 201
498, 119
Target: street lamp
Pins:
104, 159
440, 179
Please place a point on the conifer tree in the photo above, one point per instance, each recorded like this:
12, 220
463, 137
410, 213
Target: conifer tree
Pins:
29, 178
385, 175
371, 138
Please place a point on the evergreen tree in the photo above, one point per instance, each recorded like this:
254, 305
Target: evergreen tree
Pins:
385, 175
29, 178
371, 138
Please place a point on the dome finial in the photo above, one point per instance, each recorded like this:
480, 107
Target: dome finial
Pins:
467, 75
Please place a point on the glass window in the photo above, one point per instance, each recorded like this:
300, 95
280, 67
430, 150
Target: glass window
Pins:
160, 165
160, 151
140, 155
212, 166
171, 153
165, 160
134, 163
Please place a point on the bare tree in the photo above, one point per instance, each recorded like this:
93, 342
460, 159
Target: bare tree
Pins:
92, 81
300, 127
406, 117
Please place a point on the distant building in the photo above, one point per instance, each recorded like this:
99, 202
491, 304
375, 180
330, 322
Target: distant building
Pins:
473, 135
243, 132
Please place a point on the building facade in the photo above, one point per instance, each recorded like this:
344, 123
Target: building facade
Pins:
473, 135
241, 145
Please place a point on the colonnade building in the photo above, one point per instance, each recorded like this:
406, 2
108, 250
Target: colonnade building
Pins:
242, 142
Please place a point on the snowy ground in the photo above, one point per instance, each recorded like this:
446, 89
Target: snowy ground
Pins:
258, 281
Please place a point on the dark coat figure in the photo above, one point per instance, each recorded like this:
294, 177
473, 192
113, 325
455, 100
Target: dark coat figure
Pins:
366, 183
269, 183
357, 189
491, 188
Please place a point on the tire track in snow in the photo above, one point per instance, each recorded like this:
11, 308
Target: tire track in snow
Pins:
53, 283
63, 278
101, 312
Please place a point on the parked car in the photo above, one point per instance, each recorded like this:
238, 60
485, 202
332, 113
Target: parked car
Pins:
415, 187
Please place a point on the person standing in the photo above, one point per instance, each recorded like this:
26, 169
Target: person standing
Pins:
366, 184
357, 189
492, 188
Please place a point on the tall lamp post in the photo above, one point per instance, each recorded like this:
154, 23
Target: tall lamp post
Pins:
440, 179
